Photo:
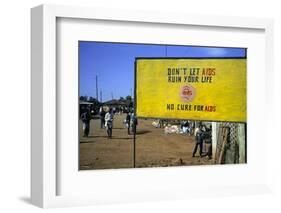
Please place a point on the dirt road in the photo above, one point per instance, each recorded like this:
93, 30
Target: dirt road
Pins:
153, 147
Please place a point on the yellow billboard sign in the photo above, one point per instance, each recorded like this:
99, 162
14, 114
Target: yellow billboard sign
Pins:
195, 88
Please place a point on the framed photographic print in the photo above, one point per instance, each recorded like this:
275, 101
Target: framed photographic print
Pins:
147, 105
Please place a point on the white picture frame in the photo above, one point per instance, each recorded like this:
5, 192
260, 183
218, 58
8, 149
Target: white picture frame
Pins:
44, 148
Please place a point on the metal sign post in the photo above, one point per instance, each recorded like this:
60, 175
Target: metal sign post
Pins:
134, 157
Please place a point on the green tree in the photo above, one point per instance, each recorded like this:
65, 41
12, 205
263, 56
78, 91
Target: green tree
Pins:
129, 98
83, 98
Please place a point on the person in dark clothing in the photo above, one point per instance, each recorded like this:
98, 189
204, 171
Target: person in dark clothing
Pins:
209, 152
102, 120
128, 122
208, 142
199, 140
134, 123
86, 118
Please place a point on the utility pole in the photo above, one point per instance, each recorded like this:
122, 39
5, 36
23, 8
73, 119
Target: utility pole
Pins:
112, 95
101, 96
97, 90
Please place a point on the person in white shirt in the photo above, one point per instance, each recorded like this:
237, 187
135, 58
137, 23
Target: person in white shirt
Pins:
109, 123
199, 140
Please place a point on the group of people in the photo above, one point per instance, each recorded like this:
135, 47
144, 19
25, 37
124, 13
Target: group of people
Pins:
106, 121
203, 135
187, 127
131, 122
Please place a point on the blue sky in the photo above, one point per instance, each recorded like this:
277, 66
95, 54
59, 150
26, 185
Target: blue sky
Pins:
113, 63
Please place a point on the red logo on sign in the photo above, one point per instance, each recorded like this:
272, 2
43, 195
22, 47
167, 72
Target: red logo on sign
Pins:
187, 93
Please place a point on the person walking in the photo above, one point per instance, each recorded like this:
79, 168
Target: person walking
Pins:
109, 122
86, 118
208, 142
128, 122
134, 121
199, 140
102, 116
